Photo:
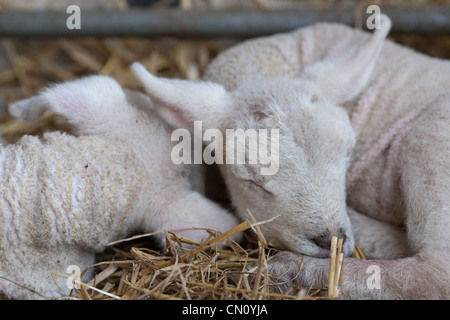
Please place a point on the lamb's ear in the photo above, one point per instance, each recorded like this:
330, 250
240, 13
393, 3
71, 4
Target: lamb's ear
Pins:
181, 102
343, 77
28, 110
93, 104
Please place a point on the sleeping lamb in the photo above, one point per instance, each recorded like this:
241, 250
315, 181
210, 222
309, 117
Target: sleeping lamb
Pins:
364, 138
63, 198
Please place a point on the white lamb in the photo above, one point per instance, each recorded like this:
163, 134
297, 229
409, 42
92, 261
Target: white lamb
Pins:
63, 198
320, 85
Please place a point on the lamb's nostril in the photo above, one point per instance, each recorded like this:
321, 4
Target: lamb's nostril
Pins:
341, 232
324, 241
320, 242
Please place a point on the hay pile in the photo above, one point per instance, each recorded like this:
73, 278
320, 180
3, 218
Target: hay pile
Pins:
132, 268
205, 272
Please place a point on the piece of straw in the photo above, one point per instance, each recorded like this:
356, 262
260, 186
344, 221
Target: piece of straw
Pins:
358, 253
82, 284
335, 272
340, 259
332, 269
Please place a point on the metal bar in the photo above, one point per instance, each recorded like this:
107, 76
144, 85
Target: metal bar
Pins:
178, 23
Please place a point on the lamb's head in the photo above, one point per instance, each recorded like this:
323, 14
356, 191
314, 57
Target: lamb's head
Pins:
301, 163
308, 152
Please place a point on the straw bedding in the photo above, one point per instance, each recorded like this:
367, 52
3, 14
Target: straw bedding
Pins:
134, 268
207, 271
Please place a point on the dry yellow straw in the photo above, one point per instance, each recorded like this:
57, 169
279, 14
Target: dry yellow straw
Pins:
358, 253
335, 270
340, 255
239, 228
335, 273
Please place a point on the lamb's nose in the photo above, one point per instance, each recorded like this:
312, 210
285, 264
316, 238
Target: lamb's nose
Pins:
324, 241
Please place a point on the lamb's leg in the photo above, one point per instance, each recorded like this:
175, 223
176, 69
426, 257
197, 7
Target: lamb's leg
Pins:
416, 277
422, 276
413, 277
190, 209
378, 239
